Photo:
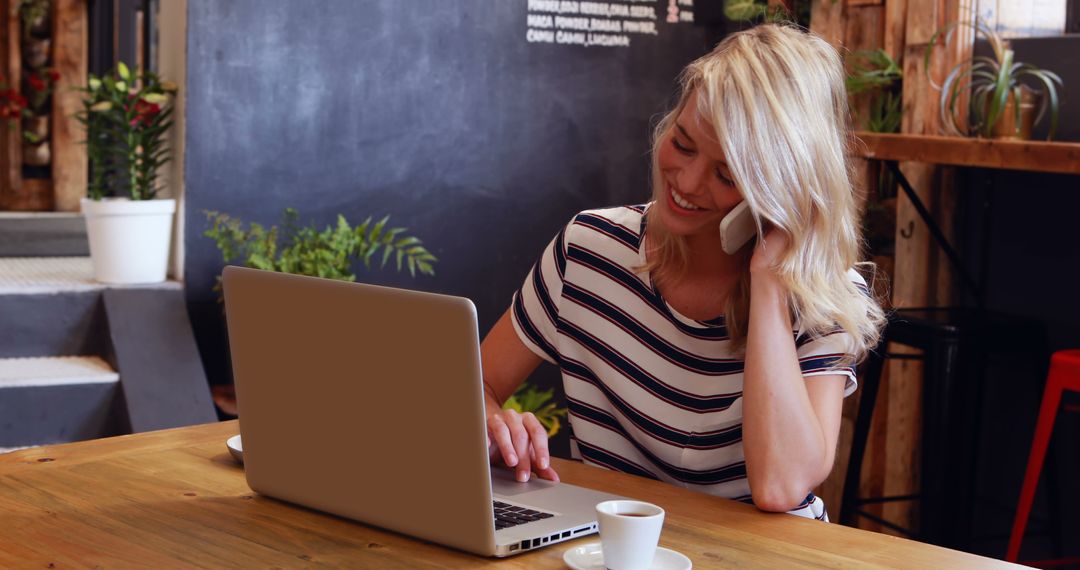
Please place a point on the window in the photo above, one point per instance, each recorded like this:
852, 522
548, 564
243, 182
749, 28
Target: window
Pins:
1026, 18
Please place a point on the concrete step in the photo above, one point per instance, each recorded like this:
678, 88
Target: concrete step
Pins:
42, 234
52, 307
47, 400
52, 275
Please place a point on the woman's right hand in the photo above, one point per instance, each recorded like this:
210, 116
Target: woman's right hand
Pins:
519, 441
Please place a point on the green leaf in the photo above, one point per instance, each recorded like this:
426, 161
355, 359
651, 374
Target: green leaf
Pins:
123, 70
1050, 97
378, 228
1001, 93
530, 399
743, 10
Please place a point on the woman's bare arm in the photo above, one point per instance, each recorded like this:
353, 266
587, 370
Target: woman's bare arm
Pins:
790, 424
521, 439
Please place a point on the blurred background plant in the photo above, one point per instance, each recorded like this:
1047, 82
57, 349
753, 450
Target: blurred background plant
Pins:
327, 253
755, 11
542, 404
42, 83
876, 73
34, 15
13, 106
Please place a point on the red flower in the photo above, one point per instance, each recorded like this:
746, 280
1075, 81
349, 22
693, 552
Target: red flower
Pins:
12, 104
54, 75
36, 82
13, 98
144, 112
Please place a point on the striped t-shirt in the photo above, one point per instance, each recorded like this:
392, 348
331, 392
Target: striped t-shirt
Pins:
649, 391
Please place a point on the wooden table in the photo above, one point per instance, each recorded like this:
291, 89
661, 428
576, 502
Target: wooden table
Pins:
175, 499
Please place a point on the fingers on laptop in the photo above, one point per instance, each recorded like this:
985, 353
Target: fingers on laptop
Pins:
520, 435
546, 473
538, 436
523, 443
500, 434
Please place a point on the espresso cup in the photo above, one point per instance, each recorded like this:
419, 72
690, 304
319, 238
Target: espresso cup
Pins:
629, 533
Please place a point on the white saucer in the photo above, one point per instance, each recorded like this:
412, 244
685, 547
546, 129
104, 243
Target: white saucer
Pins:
590, 557
236, 448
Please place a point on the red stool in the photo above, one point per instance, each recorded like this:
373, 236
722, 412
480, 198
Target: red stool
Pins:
1064, 375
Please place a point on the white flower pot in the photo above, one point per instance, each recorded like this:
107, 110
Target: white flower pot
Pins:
129, 239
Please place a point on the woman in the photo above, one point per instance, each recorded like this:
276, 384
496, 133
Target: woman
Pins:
717, 372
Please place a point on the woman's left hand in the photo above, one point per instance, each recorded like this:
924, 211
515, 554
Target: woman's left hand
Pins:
767, 251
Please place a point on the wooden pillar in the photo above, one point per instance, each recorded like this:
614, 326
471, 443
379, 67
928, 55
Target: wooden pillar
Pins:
920, 280
70, 42
10, 72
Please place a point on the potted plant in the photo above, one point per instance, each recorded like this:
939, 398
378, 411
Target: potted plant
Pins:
327, 253
129, 228
1000, 104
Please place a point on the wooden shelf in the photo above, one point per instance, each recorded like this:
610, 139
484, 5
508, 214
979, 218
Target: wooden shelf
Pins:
1033, 156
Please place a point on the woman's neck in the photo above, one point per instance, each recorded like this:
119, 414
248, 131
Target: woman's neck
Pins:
707, 259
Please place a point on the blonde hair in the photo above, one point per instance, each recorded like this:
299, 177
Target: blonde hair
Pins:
775, 96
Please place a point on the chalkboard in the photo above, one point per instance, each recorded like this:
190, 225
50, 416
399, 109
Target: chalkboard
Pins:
481, 125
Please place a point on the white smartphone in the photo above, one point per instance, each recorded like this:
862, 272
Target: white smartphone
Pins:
737, 228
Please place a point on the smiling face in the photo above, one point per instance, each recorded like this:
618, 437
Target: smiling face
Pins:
696, 187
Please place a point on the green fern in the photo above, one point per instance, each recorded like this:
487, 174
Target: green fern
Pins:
328, 253
529, 398
875, 72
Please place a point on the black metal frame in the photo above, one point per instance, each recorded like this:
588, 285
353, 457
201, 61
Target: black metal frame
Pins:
972, 285
940, 350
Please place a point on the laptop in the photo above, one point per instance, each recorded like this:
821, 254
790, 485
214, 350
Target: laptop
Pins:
367, 402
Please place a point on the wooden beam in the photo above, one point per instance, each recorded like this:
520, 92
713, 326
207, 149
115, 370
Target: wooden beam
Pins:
10, 72
828, 19
895, 19
69, 170
1035, 156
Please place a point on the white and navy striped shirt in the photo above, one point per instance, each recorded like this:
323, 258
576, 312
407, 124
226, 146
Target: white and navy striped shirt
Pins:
650, 392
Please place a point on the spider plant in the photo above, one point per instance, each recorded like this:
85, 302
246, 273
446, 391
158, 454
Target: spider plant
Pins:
995, 86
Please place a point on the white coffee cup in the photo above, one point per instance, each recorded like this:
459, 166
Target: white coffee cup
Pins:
629, 533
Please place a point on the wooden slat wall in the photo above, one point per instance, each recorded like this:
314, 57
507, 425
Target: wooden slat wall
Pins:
69, 161
903, 28
70, 40
922, 276
849, 26
10, 71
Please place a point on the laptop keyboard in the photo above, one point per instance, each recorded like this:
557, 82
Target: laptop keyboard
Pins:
507, 516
